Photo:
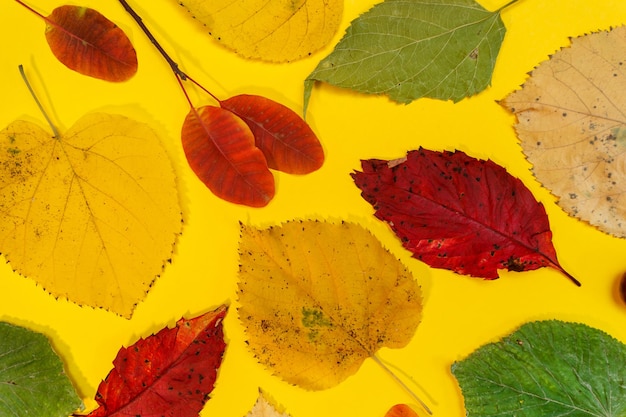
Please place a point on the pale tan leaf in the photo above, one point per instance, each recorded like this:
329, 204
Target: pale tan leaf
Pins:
571, 120
318, 298
92, 216
269, 30
265, 407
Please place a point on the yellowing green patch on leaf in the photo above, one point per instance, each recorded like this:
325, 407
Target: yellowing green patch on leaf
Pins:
91, 216
318, 298
274, 30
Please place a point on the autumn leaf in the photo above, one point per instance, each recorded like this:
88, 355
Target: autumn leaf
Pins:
220, 149
32, 379
265, 407
401, 410
168, 374
456, 212
546, 368
288, 142
571, 124
318, 298
91, 215
410, 49
275, 30
87, 42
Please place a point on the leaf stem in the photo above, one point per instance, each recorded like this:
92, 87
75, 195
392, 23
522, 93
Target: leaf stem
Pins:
55, 131
32, 10
510, 3
180, 74
402, 384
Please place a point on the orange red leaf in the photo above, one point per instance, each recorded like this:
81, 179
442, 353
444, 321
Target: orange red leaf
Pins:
401, 410
288, 142
220, 149
89, 43
169, 374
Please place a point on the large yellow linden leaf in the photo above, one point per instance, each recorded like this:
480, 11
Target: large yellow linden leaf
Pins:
318, 298
269, 30
571, 120
91, 216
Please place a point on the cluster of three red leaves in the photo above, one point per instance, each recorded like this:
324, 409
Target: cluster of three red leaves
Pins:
230, 147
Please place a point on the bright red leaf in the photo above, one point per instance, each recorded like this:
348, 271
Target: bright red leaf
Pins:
169, 374
86, 41
287, 141
220, 149
460, 213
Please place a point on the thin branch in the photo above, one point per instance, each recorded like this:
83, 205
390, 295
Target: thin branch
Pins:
43, 111
180, 75
156, 44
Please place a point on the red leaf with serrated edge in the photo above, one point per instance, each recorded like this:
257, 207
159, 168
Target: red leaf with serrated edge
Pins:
169, 374
89, 43
220, 149
460, 213
287, 141
401, 410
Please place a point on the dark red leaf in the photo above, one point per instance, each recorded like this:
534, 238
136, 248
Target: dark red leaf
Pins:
87, 42
460, 213
168, 374
220, 149
288, 142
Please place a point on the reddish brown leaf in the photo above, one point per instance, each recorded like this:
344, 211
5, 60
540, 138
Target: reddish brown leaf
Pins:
401, 410
220, 149
168, 374
460, 213
288, 142
87, 42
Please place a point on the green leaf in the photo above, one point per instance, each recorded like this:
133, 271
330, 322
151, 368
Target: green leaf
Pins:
32, 380
444, 49
547, 368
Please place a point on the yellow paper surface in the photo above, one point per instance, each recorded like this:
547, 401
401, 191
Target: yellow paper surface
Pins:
460, 313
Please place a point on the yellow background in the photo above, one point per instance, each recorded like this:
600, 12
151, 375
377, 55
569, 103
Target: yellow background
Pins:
460, 313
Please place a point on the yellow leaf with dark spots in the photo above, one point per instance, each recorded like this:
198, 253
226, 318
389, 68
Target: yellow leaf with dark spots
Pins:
318, 298
93, 215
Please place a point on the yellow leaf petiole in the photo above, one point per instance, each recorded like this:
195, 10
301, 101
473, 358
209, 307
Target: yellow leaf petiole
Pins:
55, 131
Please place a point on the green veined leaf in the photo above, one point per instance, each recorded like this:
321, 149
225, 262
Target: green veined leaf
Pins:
548, 368
444, 49
32, 380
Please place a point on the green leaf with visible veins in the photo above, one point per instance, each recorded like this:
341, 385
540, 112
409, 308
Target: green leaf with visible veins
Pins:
444, 49
546, 368
32, 380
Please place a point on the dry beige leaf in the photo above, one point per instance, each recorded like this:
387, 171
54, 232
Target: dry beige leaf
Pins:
266, 407
572, 126
318, 298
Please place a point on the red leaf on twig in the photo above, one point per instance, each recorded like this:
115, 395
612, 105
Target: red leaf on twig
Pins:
287, 141
460, 213
220, 149
87, 42
168, 374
